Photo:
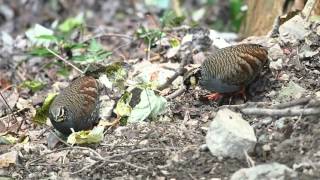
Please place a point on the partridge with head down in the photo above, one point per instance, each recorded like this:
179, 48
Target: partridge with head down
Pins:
231, 69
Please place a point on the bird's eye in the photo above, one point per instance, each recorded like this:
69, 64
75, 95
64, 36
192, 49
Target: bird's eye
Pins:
195, 51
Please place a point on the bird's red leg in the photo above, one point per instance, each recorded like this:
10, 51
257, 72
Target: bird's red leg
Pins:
214, 96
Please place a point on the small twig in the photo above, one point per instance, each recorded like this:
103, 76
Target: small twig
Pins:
137, 151
6, 88
62, 149
84, 168
148, 50
308, 8
281, 112
190, 175
155, 58
65, 61
128, 164
12, 113
117, 35
108, 34
248, 104
179, 71
301, 101
250, 161
177, 93
121, 155
16, 112
119, 47
275, 28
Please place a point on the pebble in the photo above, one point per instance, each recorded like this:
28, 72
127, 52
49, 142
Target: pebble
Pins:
229, 135
265, 172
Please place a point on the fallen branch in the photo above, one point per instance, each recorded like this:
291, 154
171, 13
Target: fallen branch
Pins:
181, 70
12, 113
281, 112
308, 8
65, 61
301, 101
177, 93
169, 81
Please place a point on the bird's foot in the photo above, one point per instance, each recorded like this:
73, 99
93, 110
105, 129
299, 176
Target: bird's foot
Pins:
214, 96
241, 93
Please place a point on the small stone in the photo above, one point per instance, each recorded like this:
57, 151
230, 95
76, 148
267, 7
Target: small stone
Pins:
272, 94
265, 172
276, 65
284, 77
263, 138
266, 147
144, 142
106, 107
120, 131
9, 158
279, 124
160, 178
203, 147
291, 91
229, 135
266, 120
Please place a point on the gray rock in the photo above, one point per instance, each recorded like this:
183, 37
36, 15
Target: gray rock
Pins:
293, 28
265, 172
229, 135
280, 123
292, 91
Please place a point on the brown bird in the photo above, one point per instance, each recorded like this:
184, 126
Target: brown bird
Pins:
231, 69
76, 106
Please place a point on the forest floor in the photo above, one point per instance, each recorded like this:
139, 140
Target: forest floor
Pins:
173, 146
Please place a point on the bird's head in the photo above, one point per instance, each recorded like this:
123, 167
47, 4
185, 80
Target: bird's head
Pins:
58, 113
192, 77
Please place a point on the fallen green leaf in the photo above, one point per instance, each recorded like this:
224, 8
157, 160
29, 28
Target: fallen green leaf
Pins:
170, 19
71, 23
123, 108
87, 137
42, 112
33, 85
117, 74
174, 42
150, 105
8, 139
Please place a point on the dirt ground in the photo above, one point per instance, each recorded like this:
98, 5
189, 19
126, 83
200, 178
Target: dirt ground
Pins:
169, 148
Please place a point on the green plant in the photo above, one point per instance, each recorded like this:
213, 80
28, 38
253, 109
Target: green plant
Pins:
61, 41
237, 14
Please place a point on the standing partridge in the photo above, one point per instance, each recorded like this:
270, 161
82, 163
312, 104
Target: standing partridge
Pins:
76, 106
231, 69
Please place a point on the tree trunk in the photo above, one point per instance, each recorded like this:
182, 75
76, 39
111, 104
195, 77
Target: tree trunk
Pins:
260, 16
